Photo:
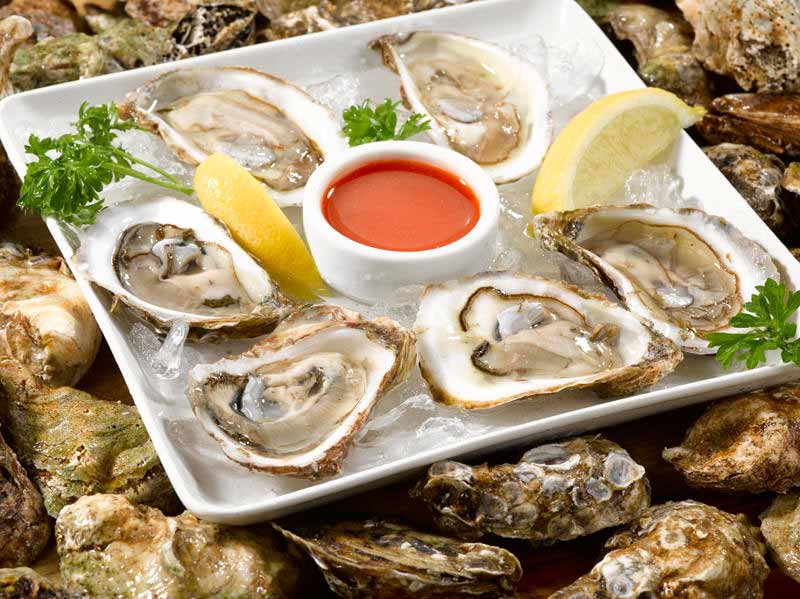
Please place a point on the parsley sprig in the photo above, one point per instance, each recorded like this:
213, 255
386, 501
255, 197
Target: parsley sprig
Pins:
766, 316
70, 171
364, 124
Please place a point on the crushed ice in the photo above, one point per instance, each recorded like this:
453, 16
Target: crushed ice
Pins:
660, 186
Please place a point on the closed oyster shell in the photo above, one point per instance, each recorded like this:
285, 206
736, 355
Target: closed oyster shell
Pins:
46, 326
24, 526
24, 583
677, 550
109, 547
749, 442
382, 560
50, 18
135, 44
159, 13
780, 525
556, 492
216, 25
14, 31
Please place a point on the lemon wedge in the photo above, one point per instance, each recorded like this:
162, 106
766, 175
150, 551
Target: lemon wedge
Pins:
231, 194
595, 153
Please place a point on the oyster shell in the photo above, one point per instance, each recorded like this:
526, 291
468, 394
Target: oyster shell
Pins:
216, 25
46, 326
497, 337
268, 407
780, 525
759, 179
769, 122
685, 271
748, 442
24, 526
268, 125
14, 31
50, 18
684, 549
24, 583
556, 492
757, 42
376, 559
481, 99
109, 547
663, 45
158, 13
133, 44
169, 260
300, 22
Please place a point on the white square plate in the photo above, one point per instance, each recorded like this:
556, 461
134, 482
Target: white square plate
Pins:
217, 489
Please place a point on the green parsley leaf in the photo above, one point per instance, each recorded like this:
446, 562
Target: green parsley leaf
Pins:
364, 124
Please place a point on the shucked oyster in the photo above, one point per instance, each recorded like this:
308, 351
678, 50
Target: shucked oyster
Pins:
676, 550
382, 560
109, 547
685, 271
780, 525
496, 337
268, 125
749, 443
557, 492
46, 326
481, 100
169, 260
292, 403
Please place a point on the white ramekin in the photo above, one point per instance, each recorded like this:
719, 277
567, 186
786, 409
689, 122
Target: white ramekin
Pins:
365, 273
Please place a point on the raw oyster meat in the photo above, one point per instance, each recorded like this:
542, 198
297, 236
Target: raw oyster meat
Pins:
757, 42
769, 122
46, 326
749, 442
24, 526
663, 45
73, 444
268, 125
293, 402
678, 550
109, 547
50, 18
686, 272
24, 583
497, 337
481, 99
216, 25
556, 492
14, 31
759, 178
170, 261
377, 560
780, 525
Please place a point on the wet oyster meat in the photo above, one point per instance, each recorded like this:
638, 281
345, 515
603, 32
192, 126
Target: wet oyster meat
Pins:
494, 338
685, 271
46, 326
274, 129
759, 179
757, 42
383, 560
170, 261
24, 583
769, 122
24, 526
481, 99
663, 44
556, 492
294, 401
780, 526
750, 442
676, 550
216, 25
109, 547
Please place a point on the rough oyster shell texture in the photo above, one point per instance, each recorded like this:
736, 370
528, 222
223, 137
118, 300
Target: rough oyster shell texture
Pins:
678, 550
757, 42
494, 338
24, 583
14, 31
24, 526
556, 492
46, 326
684, 271
749, 442
293, 402
215, 25
50, 18
383, 560
109, 547
780, 526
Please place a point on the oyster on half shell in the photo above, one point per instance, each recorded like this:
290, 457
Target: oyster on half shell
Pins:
271, 127
685, 271
292, 403
497, 337
481, 99
169, 260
